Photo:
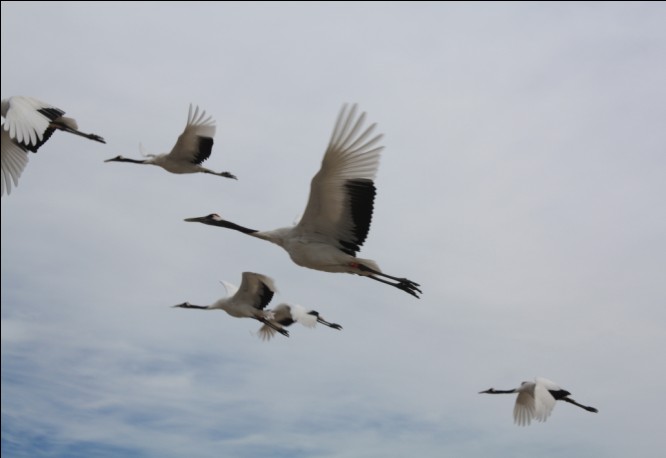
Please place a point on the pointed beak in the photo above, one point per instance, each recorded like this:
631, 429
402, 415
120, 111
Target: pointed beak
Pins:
195, 220
112, 159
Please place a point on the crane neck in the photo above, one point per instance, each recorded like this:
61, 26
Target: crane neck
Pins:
126, 159
236, 227
187, 305
494, 391
133, 161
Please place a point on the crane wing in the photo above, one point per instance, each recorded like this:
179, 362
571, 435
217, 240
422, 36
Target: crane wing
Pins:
342, 192
13, 161
544, 401
523, 411
256, 290
27, 121
547, 384
195, 144
230, 287
266, 332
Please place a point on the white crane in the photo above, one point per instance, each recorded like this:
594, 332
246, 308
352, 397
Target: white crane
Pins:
536, 400
248, 301
28, 124
193, 147
285, 315
338, 213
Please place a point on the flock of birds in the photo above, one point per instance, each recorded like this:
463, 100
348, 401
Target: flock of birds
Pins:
250, 300
328, 236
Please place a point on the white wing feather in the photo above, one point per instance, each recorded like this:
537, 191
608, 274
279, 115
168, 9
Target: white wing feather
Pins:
544, 401
266, 332
229, 287
352, 153
144, 152
13, 161
198, 125
523, 411
248, 292
24, 123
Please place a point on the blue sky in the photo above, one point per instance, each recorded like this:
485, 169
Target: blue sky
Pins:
522, 186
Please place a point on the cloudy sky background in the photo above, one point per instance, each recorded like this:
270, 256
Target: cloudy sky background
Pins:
522, 186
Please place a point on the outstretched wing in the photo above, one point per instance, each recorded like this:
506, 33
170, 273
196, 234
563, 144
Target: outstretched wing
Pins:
256, 290
523, 410
342, 193
544, 402
14, 159
230, 287
196, 142
27, 121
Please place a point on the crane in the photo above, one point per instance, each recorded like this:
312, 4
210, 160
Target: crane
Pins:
29, 123
193, 147
248, 301
337, 216
286, 315
536, 400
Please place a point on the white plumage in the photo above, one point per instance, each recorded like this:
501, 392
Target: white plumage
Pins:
247, 301
193, 147
536, 400
285, 315
13, 161
28, 124
337, 216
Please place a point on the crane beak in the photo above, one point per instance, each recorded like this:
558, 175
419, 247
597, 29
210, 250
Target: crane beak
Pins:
114, 159
199, 219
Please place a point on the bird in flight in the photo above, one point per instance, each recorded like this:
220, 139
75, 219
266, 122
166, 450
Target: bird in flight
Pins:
193, 147
28, 124
337, 216
247, 301
286, 315
536, 400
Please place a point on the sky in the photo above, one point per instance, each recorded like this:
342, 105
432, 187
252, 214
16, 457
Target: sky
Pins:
522, 185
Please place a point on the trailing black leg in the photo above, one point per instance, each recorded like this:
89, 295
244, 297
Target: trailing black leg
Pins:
402, 283
406, 287
271, 325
